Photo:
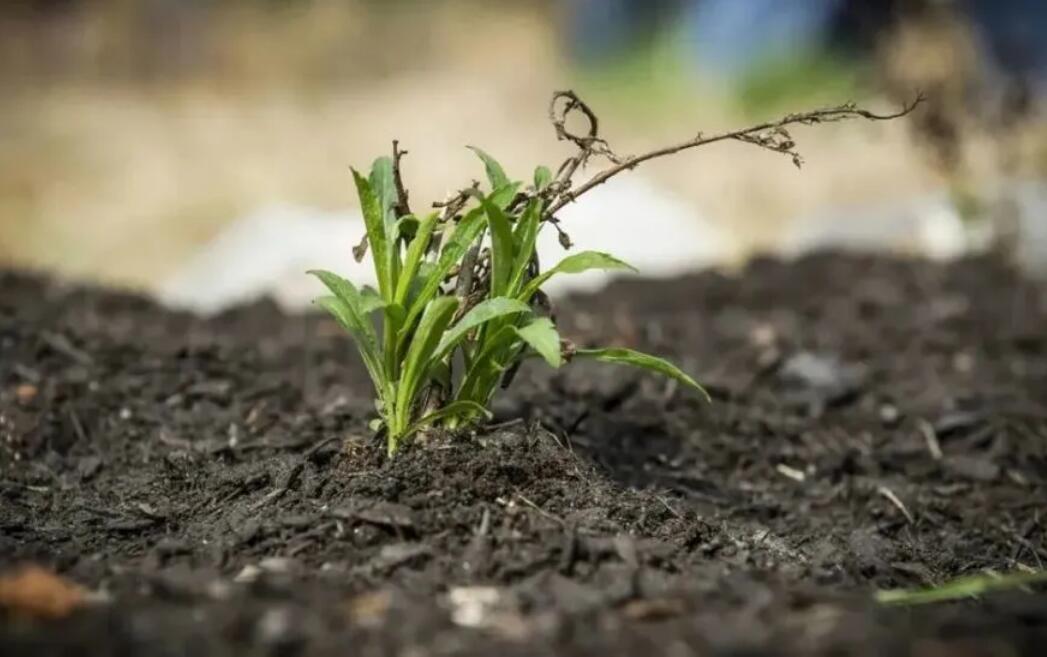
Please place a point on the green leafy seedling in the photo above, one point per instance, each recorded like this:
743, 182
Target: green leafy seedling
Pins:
462, 286
411, 328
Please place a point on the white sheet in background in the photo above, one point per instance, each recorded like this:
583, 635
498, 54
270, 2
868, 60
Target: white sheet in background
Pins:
930, 226
268, 252
927, 226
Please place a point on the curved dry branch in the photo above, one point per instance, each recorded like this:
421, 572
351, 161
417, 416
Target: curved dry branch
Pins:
771, 135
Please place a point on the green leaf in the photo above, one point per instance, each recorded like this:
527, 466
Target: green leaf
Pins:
495, 174
440, 373
374, 220
641, 360
350, 320
370, 301
395, 314
425, 272
575, 264
467, 231
503, 196
482, 312
542, 177
525, 235
958, 589
384, 187
502, 256
365, 343
347, 293
434, 322
350, 308
461, 409
486, 366
406, 227
415, 255
542, 336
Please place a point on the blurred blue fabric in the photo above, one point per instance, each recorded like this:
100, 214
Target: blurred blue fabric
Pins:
1015, 34
728, 37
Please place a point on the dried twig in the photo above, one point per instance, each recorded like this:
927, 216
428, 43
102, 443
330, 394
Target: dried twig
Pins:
588, 145
930, 437
897, 502
403, 207
360, 250
771, 135
456, 202
451, 207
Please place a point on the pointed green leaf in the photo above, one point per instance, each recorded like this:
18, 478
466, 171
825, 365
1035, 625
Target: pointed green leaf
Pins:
351, 312
542, 177
435, 319
368, 348
542, 336
641, 360
503, 196
370, 301
502, 256
395, 314
406, 227
415, 254
525, 235
374, 220
467, 231
348, 294
960, 588
495, 173
425, 272
462, 409
440, 373
384, 187
576, 264
483, 312
483, 371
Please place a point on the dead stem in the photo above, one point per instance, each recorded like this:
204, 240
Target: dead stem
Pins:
403, 207
771, 135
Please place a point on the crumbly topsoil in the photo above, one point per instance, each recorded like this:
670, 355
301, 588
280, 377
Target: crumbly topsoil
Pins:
212, 486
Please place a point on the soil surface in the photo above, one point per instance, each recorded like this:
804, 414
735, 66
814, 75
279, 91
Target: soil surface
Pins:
213, 488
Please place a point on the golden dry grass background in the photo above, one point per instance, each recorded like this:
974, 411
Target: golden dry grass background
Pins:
115, 167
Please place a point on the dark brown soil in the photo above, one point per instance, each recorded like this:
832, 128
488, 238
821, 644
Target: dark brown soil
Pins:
875, 423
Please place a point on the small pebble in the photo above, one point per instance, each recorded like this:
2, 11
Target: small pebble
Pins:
889, 415
248, 574
26, 393
277, 564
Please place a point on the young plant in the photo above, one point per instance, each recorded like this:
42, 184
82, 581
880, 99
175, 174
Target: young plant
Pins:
462, 286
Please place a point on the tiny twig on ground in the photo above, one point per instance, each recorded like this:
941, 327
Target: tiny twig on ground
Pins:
930, 437
550, 516
896, 501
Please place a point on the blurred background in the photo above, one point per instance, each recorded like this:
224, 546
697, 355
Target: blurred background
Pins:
200, 149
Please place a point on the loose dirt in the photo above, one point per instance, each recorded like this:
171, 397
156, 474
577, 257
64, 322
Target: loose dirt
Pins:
209, 486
